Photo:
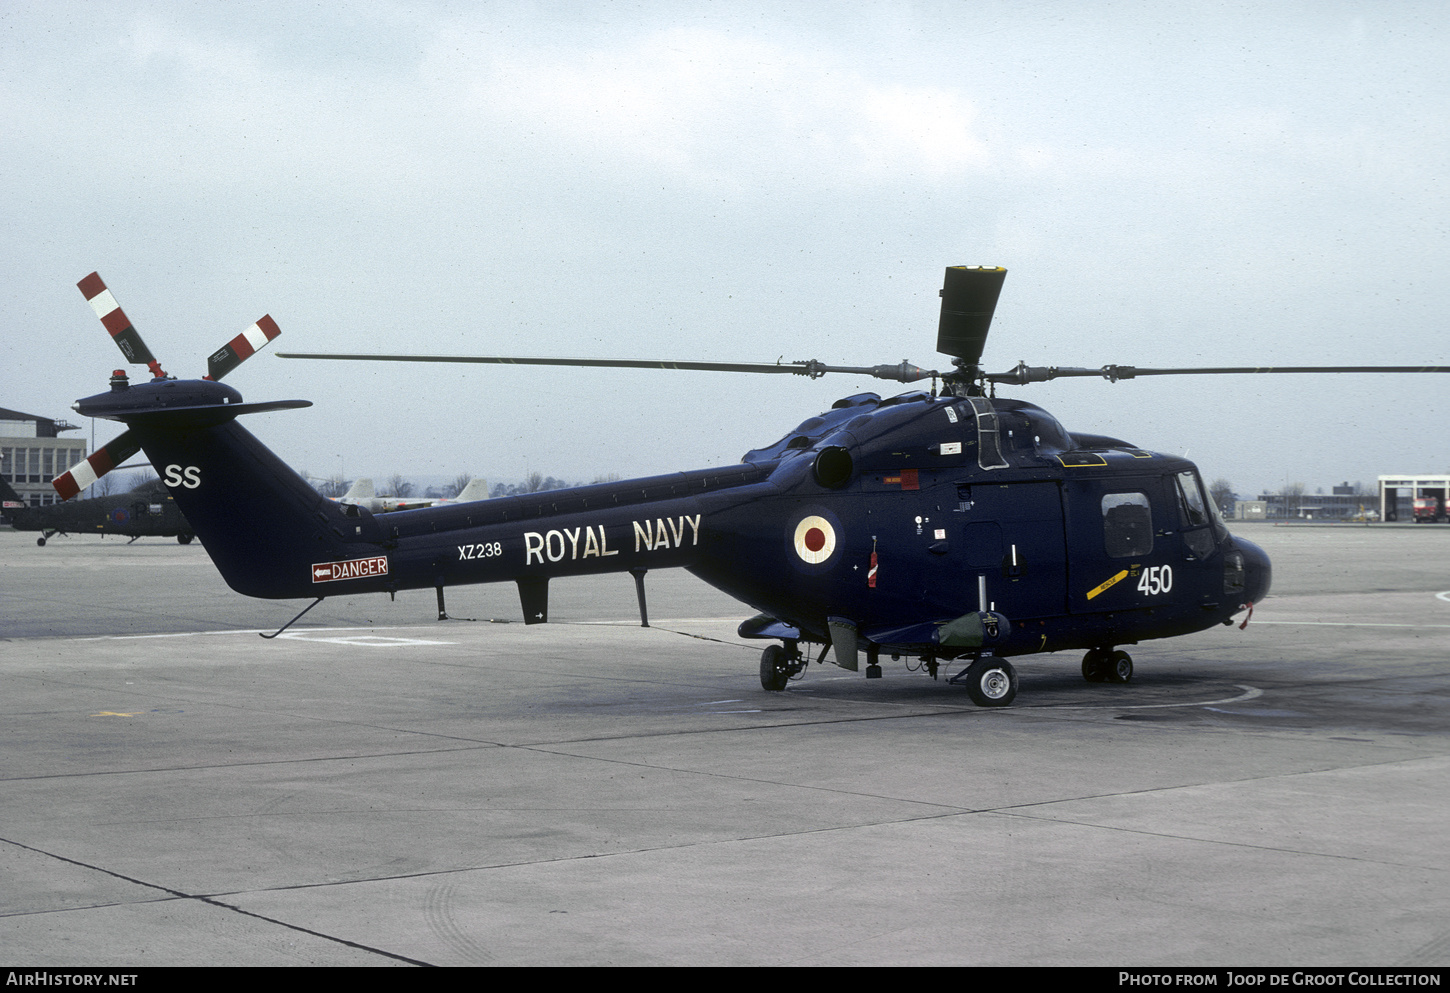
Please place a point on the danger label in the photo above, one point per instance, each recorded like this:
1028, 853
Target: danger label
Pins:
327, 572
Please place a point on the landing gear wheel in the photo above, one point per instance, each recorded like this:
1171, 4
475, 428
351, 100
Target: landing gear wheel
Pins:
1119, 667
775, 668
991, 682
1095, 665
183, 539
40, 542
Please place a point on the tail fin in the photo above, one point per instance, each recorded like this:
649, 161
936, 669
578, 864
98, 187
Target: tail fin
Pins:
361, 489
12, 508
477, 489
263, 525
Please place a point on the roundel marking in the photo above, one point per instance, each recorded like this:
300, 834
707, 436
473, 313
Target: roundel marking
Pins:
815, 539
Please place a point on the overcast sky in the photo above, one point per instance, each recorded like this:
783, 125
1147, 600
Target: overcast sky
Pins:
1167, 185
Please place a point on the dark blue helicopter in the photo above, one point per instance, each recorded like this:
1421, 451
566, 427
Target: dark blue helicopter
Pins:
951, 526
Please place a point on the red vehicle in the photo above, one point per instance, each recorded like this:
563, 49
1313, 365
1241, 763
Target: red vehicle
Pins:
1429, 508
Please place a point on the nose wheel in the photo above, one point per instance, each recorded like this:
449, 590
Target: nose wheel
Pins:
777, 666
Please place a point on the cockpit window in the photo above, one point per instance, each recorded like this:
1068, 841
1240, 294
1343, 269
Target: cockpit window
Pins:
1192, 502
1127, 524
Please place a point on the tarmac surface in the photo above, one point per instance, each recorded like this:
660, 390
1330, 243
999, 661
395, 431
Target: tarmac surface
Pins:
376, 787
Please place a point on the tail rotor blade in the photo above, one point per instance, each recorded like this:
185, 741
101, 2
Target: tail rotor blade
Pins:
95, 465
115, 321
242, 347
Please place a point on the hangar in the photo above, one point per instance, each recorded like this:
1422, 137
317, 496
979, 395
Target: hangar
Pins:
1396, 504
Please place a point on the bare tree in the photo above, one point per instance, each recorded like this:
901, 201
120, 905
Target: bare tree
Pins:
456, 487
398, 486
1222, 492
1293, 494
535, 482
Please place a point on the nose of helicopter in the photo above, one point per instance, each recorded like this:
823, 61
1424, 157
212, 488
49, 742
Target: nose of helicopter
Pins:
1258, 573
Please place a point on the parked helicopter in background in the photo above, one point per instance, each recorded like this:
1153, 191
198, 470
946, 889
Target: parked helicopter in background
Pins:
146, 511
942, 527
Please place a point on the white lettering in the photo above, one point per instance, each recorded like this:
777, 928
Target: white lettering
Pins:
533, 547
646, 533
1155, 579
549, 546
188, 476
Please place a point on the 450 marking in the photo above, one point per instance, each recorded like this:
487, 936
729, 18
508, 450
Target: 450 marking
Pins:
481, 550
1155, 579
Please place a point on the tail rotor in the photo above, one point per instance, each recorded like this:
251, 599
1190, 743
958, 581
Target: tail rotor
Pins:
129, 341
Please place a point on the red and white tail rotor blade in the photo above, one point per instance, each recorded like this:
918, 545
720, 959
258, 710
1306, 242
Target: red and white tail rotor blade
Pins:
242, 347
114, 319
95, 465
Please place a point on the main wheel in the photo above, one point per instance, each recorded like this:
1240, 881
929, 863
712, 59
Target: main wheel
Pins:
40, 542
991, 682
1119, 667
774, 668
1095, 665
183, 539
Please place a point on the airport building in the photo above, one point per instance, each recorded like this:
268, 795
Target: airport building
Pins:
1397, 498
1344, 503
32, 453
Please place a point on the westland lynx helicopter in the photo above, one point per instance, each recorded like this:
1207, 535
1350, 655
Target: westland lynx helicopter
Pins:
940, 527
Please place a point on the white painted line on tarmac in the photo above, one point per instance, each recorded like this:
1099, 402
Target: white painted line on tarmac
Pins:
1443, 596
368, 639
305, 634
1250, 693
1354, 624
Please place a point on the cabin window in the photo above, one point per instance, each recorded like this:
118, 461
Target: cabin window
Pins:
1127, 524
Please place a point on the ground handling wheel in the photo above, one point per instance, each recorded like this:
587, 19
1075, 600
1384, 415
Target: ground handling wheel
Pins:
991, 682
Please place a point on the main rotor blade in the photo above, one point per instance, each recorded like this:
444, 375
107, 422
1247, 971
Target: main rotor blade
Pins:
115, 321
968, 299
903, 373
1022, 373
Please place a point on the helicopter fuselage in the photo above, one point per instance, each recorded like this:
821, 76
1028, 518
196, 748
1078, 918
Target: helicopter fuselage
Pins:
905, 520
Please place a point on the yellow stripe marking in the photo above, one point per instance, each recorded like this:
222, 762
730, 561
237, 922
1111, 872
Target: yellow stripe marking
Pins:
1108, 585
